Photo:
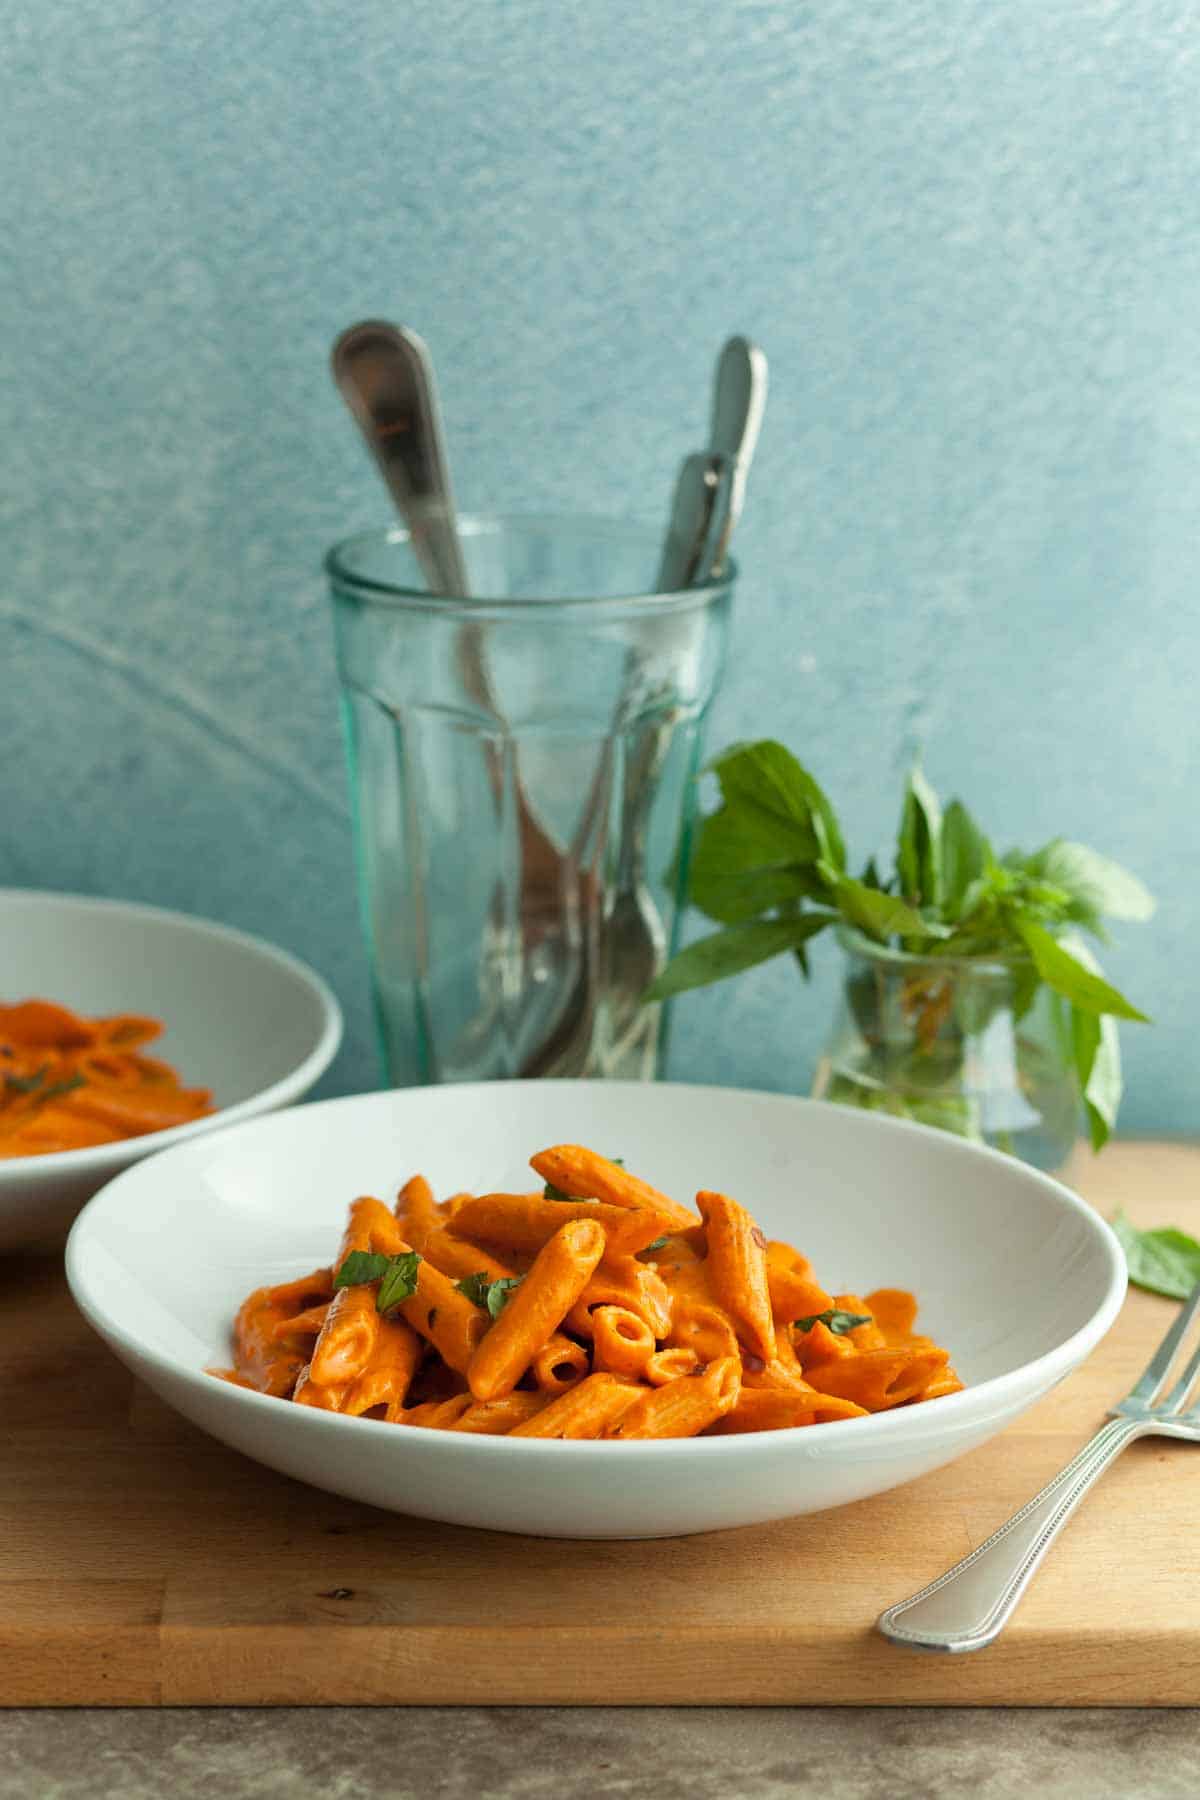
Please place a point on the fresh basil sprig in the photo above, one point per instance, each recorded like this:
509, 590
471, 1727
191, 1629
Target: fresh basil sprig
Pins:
837, 1322
396, 1275
770, 868
491, 1296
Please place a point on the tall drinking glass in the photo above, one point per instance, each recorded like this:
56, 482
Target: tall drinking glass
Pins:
522, 766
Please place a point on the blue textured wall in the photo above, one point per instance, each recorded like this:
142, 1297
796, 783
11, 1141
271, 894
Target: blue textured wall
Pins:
968, 235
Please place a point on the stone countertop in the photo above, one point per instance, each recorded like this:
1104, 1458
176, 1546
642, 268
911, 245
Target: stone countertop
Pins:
602, 1753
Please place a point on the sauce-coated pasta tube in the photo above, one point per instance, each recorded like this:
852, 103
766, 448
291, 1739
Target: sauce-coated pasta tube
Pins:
305, 1324
623, 1281
586, 1176
622, 1342
457, 1258
452, 1324
669, 1365
703, 1329
879, 1379
535, 1310
436, 1415
527, 1221
584, 1412
764, 1409
737, 1267
559, 1364
311, 1393
416, 1211
498, 1418
268, 1346
683, 1407
794, 1293
347, 1338
894, 1311
386, 1378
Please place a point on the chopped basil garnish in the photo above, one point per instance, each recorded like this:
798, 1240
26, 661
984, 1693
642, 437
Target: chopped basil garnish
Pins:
491, 1296
837, 1322
396, 1275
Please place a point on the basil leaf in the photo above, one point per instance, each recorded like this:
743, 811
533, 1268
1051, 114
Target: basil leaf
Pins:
1096, 1051
919, 847
361, 1265
66, 1086
658, 1244
1095, 882
475, 1287
1065, 973
730, 951
500, 1293
27, 1084
879, 915
490, 1296
1166, 1261
731, 896
399, 1282
550, 1192
837, 1322
964, 855
768, 786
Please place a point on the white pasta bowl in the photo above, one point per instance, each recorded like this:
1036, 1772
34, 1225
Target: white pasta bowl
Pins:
1014, 1273
242, 1018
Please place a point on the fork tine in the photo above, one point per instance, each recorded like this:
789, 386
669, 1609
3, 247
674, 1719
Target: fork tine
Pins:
1176, 1400
1160, 1363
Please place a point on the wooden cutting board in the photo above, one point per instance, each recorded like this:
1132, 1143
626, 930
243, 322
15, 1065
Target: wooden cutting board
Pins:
143, 1564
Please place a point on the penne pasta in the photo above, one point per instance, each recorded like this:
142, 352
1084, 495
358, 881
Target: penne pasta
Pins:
737, 1261
586, 1176
585, 1412
538, 1306
669, 1365
388, 1375
527, 1221
526, 1315
682, 1408
70, 1083
497, 1418
416, 1211
559, 1364
622, 1342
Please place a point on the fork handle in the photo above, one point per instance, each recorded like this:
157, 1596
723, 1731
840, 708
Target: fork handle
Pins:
968, 1606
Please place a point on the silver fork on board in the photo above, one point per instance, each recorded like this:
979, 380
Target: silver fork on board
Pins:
969, 1606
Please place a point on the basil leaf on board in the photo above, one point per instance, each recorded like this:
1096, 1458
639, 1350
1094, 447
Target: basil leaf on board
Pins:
361, 1265
964, 855
400, 1280
919, 846
1065, 973
1165, 1261
1099, 884
837, 1322
730, 951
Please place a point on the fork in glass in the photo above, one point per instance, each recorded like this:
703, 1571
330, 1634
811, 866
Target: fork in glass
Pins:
969, 1606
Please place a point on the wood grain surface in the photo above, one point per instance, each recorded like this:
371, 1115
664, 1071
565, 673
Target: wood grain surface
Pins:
143, 1564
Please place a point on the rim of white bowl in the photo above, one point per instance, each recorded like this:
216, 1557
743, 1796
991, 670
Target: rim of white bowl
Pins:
273, 1098
972, 1406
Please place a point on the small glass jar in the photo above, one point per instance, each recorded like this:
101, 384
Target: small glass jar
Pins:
972, 1045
